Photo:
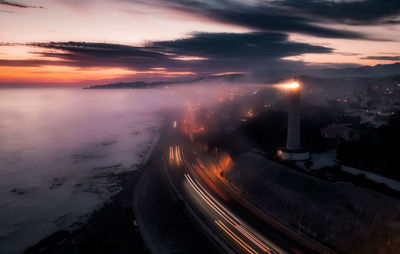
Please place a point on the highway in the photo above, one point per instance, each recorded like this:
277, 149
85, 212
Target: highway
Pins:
235, 221
163, 224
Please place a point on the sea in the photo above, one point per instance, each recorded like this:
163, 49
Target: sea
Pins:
56, 144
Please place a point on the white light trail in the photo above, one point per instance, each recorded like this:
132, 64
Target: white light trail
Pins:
234, 221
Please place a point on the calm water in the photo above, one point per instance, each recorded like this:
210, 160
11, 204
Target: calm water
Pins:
53, 144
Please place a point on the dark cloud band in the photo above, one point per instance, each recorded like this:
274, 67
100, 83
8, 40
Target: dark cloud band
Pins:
308, 17
200, 53
390, 58
18, 5
216, 48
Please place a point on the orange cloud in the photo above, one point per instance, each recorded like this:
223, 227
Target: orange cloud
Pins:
66, 74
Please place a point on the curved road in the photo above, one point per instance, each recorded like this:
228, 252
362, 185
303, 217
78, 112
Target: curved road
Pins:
229, 221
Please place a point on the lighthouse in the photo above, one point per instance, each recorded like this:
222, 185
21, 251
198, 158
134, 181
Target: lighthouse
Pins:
293, 150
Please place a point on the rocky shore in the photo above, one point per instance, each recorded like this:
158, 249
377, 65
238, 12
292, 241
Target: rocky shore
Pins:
111, 229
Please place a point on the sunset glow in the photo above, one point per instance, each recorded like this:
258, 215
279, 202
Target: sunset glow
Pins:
162, 40
71, 74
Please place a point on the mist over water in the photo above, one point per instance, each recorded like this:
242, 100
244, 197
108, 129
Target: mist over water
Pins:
54, 145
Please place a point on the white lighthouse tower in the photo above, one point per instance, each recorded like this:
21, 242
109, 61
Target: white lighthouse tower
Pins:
293, 151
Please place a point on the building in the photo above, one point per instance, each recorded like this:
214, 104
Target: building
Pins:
293, 150
340, 131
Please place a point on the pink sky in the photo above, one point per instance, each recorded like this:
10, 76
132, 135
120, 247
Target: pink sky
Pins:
134, 24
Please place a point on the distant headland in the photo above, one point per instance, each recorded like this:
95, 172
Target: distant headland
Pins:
142, 84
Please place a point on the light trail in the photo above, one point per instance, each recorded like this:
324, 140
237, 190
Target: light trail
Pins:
171, 154
205, 178
232, 235
250, 233
243, 230
175, 124
175, 155
179, 153
235, 237
235, 222
208, 201
252, 238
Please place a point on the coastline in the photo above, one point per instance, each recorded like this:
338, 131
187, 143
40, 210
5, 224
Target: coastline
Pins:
119, 225
62, 165
109, 229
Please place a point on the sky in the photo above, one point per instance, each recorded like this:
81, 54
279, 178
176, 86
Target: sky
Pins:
102, 41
